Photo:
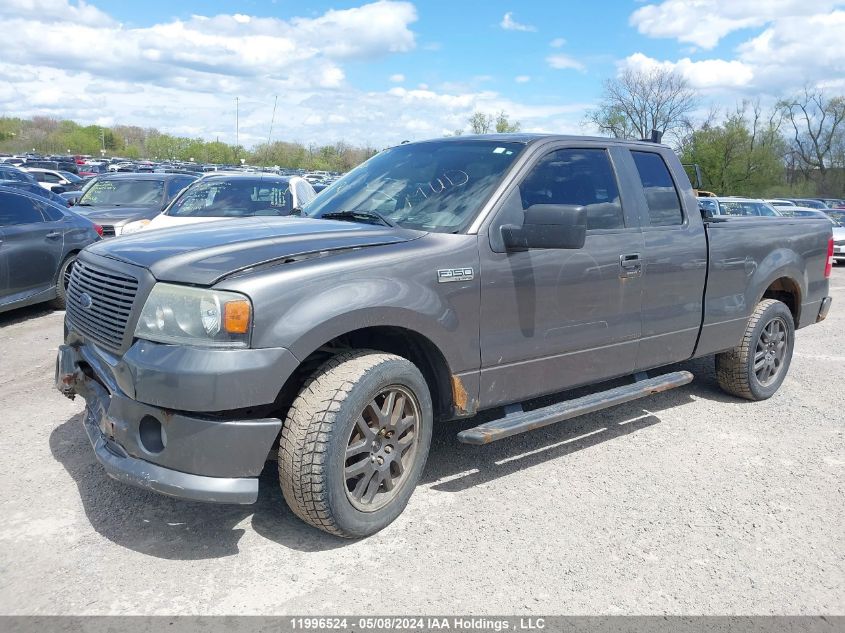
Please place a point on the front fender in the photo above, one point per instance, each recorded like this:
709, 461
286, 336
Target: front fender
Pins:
304, 305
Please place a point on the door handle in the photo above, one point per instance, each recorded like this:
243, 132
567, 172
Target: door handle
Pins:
631, 265
53, 235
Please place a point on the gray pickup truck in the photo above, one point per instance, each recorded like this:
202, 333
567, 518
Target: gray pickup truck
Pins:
436, 280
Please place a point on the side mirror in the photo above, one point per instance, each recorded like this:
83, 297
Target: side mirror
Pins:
548, 226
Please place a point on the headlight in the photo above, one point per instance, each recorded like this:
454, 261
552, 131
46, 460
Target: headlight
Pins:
195, 316
132, 227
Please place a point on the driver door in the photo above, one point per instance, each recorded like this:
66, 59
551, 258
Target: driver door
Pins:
552, 319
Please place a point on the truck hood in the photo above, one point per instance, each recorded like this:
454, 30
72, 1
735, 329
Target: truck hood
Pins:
205, 253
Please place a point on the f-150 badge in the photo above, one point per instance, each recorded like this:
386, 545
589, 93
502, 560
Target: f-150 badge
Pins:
445, 275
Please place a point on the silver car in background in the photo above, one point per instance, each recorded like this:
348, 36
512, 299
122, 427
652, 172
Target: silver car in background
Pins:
736, 206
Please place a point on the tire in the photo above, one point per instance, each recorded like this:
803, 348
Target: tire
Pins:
59, 303
735, 369
331, 433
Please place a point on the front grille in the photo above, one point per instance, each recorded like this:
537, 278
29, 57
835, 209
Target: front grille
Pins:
839, 243
108, 230
112, 296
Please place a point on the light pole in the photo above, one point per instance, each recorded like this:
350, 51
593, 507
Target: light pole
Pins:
237, 130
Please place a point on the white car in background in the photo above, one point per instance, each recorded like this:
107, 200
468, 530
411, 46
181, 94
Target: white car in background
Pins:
221, 196
52, 179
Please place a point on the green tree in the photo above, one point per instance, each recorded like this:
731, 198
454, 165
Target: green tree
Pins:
744, 155
480, 123
503, 124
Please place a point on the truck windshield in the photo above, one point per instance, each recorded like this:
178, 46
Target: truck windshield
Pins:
434, 186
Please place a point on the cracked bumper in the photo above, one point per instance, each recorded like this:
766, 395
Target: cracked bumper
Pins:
174, 453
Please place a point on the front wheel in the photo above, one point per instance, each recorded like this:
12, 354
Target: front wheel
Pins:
757, 367
355, 442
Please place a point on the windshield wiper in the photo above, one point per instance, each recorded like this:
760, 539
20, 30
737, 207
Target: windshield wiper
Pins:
359, 216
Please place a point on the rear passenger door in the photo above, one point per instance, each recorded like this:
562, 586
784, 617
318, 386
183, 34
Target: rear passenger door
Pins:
556, 318
675, 260
32, 246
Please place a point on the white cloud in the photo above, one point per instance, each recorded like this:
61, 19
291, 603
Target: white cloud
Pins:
509, 24
705, 22
182, 75
789, 53
522, 79
397, 78
708, 73
558, 42
564, 62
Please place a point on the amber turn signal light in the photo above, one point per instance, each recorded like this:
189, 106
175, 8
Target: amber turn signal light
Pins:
236, 317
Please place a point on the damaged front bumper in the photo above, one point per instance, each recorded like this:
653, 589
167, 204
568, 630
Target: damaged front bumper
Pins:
191, 456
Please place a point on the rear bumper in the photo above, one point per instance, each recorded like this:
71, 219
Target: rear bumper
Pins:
175, 453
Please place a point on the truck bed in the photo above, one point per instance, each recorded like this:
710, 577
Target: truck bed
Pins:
742, 266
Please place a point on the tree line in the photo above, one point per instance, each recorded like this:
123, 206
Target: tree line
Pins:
45, 135
794, 147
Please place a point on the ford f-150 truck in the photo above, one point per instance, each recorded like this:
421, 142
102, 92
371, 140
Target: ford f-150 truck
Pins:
436, 280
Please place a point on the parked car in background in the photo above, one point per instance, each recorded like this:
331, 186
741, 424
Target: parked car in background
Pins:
838, 217
54, 180
220, 196
39, 241
114, 200
809, 203
831, 203
805, 212
746, 207
9, 172
37, 189
91, 170
780, 202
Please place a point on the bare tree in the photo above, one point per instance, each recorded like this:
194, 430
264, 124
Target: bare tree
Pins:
818, 126
637, 102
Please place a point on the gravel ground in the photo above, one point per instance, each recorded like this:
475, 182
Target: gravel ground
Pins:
690, 502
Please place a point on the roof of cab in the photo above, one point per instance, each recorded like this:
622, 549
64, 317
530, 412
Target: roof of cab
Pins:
532, 137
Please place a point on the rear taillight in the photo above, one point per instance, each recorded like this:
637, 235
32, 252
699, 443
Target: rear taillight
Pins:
99, 230
828, 267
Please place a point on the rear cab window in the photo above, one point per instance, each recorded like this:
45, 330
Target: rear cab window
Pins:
662, 199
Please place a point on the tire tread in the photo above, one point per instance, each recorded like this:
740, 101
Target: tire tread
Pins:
732, 366
305, 434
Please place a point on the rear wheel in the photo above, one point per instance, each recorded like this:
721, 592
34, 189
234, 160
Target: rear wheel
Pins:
757, 367
62, 282
355, 442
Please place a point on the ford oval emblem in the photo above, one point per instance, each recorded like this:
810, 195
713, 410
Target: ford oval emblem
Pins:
86, 301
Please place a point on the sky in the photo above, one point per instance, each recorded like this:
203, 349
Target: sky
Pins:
378, 73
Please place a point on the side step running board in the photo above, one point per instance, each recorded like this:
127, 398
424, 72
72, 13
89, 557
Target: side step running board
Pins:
520, 421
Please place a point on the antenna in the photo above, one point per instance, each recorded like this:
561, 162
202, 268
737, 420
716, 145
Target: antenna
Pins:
237, 132
272, 120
